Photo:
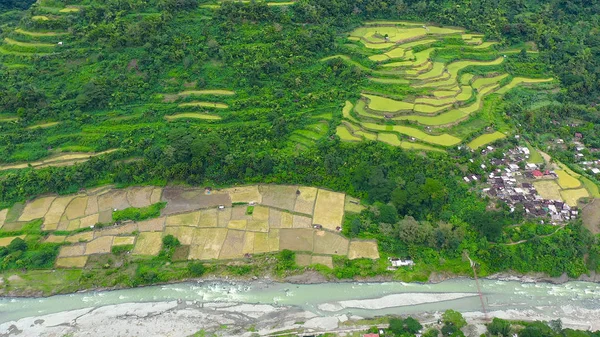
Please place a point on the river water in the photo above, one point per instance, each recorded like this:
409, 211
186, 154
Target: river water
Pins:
575, 302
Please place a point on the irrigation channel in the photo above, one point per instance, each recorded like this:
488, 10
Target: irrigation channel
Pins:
286, 305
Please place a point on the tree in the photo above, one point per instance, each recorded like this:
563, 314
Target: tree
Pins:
17, 244
387, 214
412, 326
196, 269
412, 232
499, 327
454, 317
170, 241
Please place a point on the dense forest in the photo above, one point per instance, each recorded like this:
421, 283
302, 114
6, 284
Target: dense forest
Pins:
117, 58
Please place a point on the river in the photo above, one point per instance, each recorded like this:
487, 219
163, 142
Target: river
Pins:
576, 303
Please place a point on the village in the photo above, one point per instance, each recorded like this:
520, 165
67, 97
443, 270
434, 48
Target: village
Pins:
512, 179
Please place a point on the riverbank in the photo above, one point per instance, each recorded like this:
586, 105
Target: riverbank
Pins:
267, 308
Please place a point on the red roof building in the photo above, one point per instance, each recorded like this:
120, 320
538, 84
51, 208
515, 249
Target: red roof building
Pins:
537, 174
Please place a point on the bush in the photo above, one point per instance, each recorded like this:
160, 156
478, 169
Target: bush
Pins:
170, 241
196, 269
118, 250
138, 214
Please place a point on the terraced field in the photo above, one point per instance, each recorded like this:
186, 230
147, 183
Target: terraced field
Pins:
441, 92
218, 224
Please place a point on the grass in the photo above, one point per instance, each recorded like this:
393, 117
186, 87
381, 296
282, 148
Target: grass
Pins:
521, 80
39, 34
486, 81
379, 103
192, 115
591, 187
28, 44
40, 18
485, 139
345, 135
215, 92
43, 126
534, 156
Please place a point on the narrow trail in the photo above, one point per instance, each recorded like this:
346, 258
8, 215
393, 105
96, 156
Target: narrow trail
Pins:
537, 236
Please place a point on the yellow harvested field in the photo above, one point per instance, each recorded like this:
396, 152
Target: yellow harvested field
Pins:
156, 194
297, 239
36, 209
216, 92
119, 230
3, 216
548, 189
152, 225
123, 240
223, 217
260, 213
363, 249
76, 208
353, 205
40, 18
305, 202
88, 221
573, 195
257, 226
113, 199
7, 240
233, 245
273, 239
80, 237
184, 219
207, 243
261, 243
329, 209
244, 194
71, 262
208, 218
237, 224
327, 261
100, 245
330, 243
68, 251
248, 243
139, 196
215, 105
185, 235
566, 181
194, 115
73, 225
148, 243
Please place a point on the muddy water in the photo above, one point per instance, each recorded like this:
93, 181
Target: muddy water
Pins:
575, 302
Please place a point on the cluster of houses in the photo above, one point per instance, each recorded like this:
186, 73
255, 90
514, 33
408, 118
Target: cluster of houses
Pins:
591, 165
513, 185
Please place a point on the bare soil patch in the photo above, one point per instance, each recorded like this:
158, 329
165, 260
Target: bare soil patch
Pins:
181, 200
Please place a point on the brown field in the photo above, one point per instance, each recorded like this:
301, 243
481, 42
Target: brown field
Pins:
296, 239
105, 216
260, 213
156, 194
275, 218
301, 222
80, 237
123, 240
274, 238
152, 225
73, 225
239, 213
185, 219
243, 194
278, 196
71, 262
329, 209
139, 196
305, 202
7, 240
548, 189
36, 209
76, 208
330, 243
324, 260
75, 250
257, 226
208, 218
92, 205
56, 210
113, 199
303, 260
233, 245
590, 215
148, 243
181, 200
100, 245
363, 249
119, 230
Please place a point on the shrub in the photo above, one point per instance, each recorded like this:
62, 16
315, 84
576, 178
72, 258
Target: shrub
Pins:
196, 269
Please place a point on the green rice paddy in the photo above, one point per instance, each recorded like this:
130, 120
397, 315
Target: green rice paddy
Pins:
192, 115
485, 139
205, 105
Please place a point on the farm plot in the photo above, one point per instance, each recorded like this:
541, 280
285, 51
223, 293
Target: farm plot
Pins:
36, 209
7, 240
485, 139
71, 262
566, 181
363, 249
329, 209
571, 196
548, 189
215, 105
148, 243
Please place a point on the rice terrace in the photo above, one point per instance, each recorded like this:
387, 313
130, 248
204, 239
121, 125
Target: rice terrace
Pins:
444, 75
